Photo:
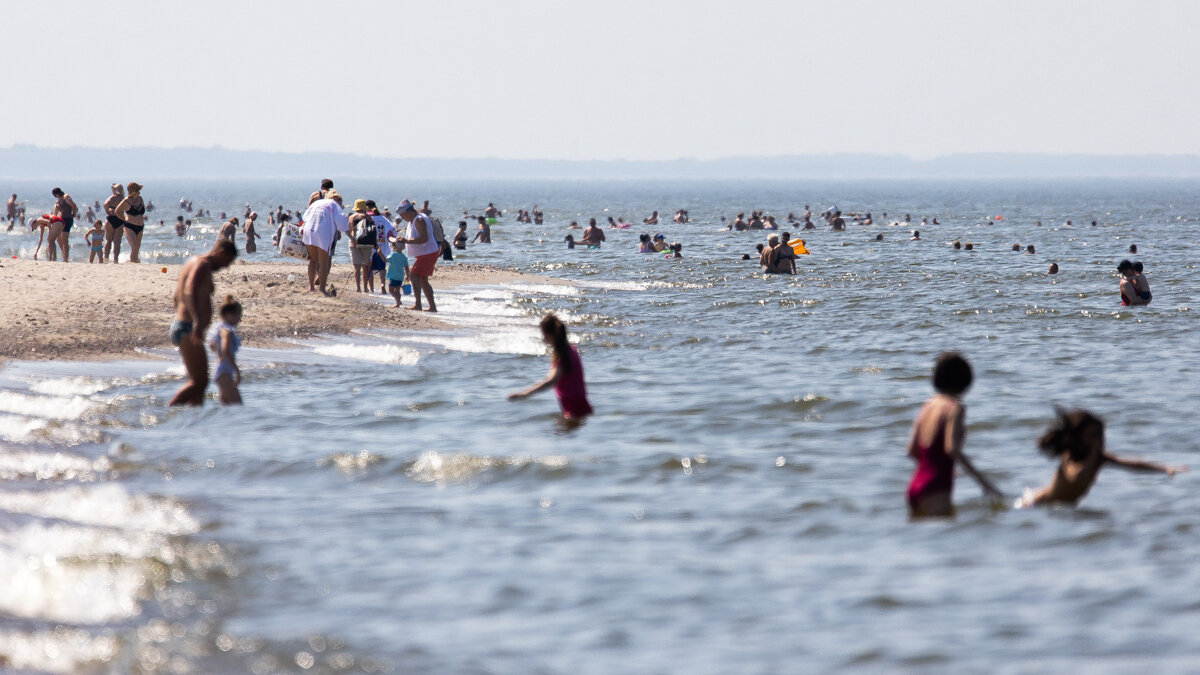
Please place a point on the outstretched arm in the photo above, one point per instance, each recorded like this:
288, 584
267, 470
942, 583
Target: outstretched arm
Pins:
1143, 466
545, 384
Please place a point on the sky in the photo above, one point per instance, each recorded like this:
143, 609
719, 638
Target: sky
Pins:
580, 80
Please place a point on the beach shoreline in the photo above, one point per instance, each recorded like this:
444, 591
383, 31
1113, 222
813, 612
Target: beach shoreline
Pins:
99, 312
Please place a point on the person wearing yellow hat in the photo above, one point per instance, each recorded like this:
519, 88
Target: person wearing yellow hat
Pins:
364, 239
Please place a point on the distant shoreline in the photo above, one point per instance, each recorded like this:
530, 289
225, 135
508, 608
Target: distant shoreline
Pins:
21, 162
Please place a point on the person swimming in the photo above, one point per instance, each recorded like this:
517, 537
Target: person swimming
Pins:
1076, 440
936, 441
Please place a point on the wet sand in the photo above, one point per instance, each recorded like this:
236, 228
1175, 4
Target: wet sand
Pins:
79, 311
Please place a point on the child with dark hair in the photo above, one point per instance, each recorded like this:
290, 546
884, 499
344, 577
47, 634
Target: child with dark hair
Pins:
224, 341
566, 372
1076, 439
937, 439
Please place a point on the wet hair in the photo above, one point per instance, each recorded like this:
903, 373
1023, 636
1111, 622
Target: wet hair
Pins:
957, 244
969, 246
1137, 267
1030, 249
553, 328
1133, 248
1016, 247
1124, 265
225, 247
952, 374
230, 306
326, 184
1065, 434
1053, 268
677, 247
879, 237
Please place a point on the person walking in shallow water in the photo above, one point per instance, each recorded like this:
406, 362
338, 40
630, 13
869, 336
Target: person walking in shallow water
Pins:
936, 441
193, 314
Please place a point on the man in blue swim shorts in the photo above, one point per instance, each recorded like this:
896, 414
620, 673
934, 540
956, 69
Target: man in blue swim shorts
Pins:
193, 313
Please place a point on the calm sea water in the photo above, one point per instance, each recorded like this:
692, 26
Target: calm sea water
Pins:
735, 506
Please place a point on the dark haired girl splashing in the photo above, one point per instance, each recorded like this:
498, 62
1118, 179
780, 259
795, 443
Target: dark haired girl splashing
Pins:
566, 372
1077, 441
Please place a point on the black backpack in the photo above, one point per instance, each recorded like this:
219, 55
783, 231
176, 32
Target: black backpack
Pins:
365, 232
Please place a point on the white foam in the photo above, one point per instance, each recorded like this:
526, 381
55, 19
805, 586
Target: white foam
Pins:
105, 505
62, 650
48, 407
75, 574
432, 467
15, 429
374, 353
18, 465
70, 386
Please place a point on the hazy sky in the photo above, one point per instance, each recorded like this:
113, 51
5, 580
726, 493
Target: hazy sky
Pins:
568, 79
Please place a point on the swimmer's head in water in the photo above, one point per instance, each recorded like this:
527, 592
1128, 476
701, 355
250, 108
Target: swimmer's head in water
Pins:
957, 244
1016, 247
952, 374
1053, 269
1030, 249
969, 246
1133, 248
1075, 432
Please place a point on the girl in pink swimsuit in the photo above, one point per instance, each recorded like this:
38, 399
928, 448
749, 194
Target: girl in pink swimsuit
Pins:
937, 438
566, 372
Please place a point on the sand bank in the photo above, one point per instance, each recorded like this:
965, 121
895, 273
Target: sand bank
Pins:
79, 311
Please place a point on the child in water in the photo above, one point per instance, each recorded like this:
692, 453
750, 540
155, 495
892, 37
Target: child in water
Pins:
95, 241
1077, 441
937, 439
224, 341
566, 372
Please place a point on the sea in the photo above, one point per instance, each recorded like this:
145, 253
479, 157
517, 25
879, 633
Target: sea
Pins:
735, 505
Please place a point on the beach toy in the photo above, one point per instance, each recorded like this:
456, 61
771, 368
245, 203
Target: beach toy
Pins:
407, 288
998, 218
164, 270
798, 247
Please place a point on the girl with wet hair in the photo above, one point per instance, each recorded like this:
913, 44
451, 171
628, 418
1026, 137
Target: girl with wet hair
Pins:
1076, 439
566, 372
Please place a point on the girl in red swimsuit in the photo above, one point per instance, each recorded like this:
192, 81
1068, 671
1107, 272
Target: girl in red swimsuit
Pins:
937, 438
566, 372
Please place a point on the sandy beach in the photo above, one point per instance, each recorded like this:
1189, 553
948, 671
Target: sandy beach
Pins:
80, 311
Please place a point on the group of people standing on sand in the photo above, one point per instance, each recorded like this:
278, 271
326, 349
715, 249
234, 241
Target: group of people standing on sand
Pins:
935, 443
324, 223
124, 213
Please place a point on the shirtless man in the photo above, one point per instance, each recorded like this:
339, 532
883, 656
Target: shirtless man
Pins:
229, 230
193, 314
12, 211
490, 211
326, 186
592, 236
652, 220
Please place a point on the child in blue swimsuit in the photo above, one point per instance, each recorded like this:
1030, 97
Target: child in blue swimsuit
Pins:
224, 341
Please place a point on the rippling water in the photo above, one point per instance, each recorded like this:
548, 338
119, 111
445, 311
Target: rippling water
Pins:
736, 505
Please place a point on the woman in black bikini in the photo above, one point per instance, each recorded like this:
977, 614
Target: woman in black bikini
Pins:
132, 214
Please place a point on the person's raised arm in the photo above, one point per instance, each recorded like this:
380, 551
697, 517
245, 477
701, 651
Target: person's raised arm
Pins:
1142, 466
121, 207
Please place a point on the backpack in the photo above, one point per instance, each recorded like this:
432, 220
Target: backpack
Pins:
365, 232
